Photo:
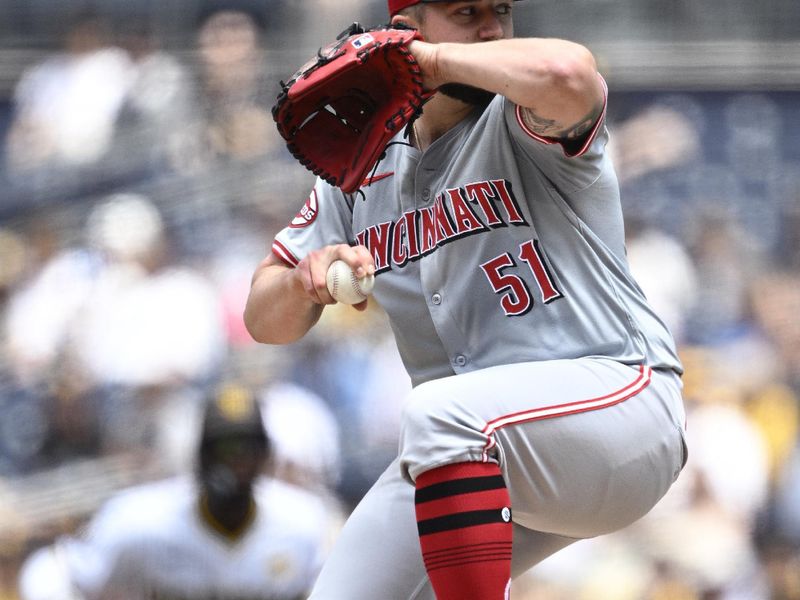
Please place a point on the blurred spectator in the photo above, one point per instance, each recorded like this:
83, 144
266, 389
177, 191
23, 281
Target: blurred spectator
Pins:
67, 105
235, 94
16, 260
779, 536
42, 310
658, 137
754, 123
112, 330
237, 168
306, 437
72, 406
775, 297
723, 435
23, 426
152, 127
149, 320
655, 150
228, 532
727, 259
788, 247
663, 268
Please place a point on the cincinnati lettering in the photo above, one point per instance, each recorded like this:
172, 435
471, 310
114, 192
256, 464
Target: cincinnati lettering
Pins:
455, 213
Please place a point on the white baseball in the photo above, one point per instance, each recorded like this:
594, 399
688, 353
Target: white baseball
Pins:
344, 286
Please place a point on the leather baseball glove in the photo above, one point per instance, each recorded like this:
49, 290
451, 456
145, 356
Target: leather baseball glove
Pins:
339, 111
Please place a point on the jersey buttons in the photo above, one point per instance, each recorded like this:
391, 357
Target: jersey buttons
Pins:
436, 299
461, 360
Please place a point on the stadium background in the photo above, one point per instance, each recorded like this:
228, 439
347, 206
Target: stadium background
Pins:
139, 188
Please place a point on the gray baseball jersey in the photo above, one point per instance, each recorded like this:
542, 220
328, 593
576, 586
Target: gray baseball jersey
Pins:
493, 247
501, 259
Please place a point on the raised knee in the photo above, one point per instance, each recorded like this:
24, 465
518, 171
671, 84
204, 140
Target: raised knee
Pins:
425, 410
437, 429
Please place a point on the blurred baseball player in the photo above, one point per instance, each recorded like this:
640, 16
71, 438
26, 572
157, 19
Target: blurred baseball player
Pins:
547, 396
230, 534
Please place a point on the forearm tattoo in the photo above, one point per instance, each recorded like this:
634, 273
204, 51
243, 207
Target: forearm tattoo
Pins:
553, 129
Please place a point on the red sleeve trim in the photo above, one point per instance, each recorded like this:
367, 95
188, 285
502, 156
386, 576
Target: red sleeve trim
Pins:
589, 137
284, 254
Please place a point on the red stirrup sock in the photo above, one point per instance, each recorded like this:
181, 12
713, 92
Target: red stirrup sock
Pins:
464, 524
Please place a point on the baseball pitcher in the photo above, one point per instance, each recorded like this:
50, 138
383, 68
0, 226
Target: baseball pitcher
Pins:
547, 403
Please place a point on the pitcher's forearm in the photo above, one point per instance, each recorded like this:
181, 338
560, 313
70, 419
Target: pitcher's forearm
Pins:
556, 79
278, 310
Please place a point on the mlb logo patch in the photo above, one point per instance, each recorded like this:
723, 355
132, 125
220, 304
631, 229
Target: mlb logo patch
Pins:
362, 41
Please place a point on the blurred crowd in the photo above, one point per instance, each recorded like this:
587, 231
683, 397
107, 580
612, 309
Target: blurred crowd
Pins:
140, 188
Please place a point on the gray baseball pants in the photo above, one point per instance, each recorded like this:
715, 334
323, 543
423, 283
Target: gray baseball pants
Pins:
586, 446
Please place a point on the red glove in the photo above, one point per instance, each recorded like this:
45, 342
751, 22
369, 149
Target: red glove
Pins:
341, 109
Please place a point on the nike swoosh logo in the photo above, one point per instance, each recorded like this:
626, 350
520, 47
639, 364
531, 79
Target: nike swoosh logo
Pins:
374, 178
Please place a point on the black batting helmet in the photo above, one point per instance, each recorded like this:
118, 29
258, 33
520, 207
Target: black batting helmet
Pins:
233, 444
233, 411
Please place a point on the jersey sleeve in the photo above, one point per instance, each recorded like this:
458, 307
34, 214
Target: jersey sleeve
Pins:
305, 523
104, 561
324, 219
44, 576
572, 167
94, 558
